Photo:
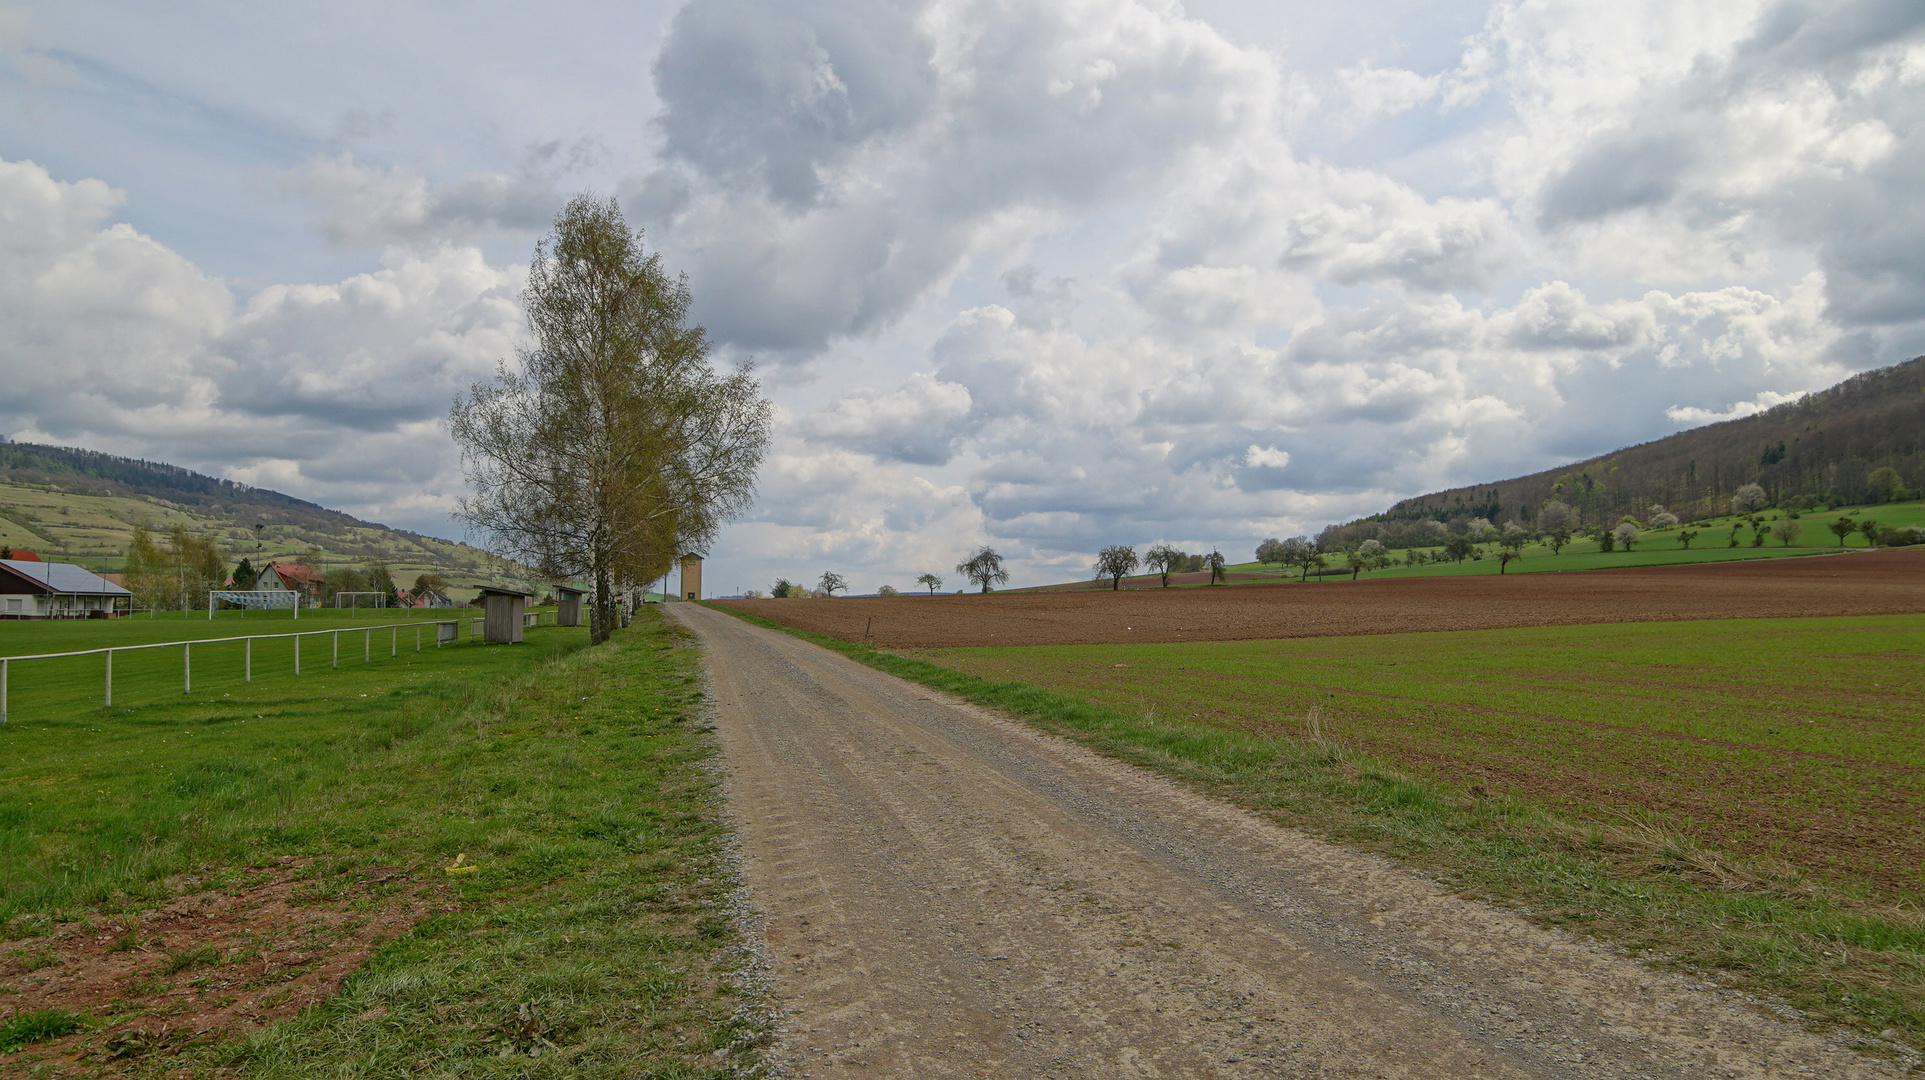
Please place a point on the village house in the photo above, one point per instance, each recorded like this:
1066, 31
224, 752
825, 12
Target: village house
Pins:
292, 577
31, 589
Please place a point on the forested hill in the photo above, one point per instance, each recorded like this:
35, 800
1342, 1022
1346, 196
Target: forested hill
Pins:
81, 506
91, 472
1821, 449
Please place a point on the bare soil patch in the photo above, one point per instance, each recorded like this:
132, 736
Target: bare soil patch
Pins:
207, 966
1867, 583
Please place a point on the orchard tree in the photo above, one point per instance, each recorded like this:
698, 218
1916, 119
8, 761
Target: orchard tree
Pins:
1662, 521
1626, 534
984, 568
1872, 530
1459, 548
1504, 558
829, 582
1271, 551
614, 443
1685, 536
782, 588
1842, 528
930, 582
1116, 562
1214, 562
1163, 560
1787, 530
1558, 522
1749, 499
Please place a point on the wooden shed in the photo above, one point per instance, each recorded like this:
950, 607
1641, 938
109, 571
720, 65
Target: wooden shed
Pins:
501, 611
568, 605
692, 576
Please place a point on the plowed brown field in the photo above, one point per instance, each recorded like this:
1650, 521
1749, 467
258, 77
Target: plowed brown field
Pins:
1868, 583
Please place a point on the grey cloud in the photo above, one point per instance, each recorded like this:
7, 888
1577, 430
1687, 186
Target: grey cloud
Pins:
823, 173
770, 93
1845, 192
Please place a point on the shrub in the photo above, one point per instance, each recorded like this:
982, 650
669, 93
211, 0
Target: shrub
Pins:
1664, 521
1903, 537
1787, 530
886, 590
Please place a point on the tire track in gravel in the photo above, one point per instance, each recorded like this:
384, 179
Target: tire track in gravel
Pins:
946, 893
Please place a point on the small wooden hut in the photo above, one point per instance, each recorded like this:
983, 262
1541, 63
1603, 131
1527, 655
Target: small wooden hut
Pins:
568, 605
501, 611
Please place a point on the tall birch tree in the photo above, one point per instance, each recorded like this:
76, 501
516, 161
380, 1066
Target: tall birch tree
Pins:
614, 445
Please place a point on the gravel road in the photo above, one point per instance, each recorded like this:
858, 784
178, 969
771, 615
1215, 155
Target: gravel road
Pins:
946, 893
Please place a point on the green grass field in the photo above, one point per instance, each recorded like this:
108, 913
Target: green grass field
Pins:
1739, 798
588, 942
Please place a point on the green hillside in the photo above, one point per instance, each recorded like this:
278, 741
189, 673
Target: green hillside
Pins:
80, 506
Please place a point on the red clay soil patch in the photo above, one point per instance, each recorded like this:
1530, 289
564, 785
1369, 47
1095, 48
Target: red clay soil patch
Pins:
207, 966
1868, 583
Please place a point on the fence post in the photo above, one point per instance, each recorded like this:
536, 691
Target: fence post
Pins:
417, 639
367, 645
186, 668
394, 639
110, 678
247, 652
3, 691
297, 654
337, 648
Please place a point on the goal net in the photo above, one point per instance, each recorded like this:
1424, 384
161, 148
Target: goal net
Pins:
361, 599
252, 599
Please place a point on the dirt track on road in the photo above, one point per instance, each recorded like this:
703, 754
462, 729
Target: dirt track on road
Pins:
1867, 583
945, 893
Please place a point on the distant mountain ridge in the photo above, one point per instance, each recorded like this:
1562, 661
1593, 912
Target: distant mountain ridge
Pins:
81, 506
1819, 449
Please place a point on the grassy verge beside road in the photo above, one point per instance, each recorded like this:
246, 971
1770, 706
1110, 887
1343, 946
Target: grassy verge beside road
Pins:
581, 931
1449, 752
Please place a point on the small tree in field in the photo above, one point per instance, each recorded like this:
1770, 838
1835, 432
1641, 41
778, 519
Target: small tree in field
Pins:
1871, 529
1115, 562
1749, 499
1163, 559
1685, 536
886, 590
1607, 541
782, 588
1459, 548
984, 568
930, 582
1214, 562
1626, 534
829, 583
1504, 558
1842, 528
1660, 522
1787, 530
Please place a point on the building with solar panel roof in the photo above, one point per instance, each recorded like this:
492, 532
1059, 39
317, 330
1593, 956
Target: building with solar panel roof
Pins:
30, 589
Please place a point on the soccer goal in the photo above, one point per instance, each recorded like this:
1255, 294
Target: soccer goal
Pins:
354, 599
254, 599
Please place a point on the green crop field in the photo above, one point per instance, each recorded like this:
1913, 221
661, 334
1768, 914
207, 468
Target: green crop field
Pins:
1800, 741
581, 937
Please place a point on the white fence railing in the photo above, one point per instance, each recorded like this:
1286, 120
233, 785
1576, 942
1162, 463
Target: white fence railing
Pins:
448, 632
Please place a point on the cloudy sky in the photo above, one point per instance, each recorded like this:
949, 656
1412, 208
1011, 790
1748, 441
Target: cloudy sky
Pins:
1045, 274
